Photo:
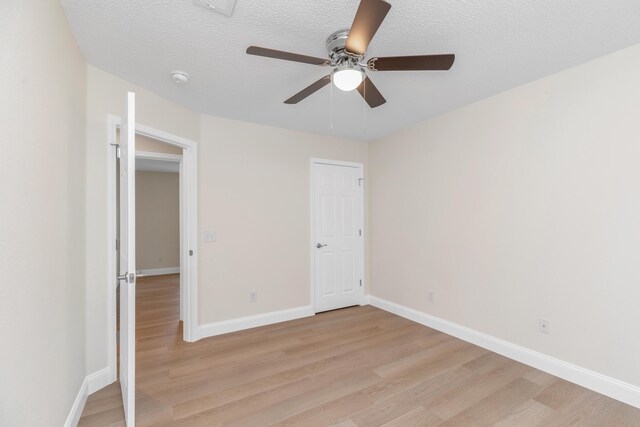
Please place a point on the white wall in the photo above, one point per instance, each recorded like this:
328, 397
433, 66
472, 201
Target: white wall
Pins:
106, 94
522, 206
42, 308
157, 220
254, 192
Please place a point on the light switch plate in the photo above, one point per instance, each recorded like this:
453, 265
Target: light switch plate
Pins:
209, 236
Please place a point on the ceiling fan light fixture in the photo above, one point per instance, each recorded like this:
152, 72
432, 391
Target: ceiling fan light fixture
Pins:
347, 78
347, 50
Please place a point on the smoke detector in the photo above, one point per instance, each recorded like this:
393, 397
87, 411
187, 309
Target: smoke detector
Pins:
180, 77
225, 7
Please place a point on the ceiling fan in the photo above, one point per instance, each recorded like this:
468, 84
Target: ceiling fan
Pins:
347, 49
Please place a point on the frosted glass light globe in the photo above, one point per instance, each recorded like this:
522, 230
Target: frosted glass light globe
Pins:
347, 79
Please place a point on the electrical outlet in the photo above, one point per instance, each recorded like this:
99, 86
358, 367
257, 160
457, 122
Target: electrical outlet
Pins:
253, 296
544, 326
431, 296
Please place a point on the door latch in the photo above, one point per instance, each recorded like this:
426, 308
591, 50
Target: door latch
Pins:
127, 277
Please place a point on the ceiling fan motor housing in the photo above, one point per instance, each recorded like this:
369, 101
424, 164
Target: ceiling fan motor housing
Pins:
337, 52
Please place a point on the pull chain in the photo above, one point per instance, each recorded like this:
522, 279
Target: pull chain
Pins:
331, 109
364, 106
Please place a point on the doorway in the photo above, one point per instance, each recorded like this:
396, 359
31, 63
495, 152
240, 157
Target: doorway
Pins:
337, 224
179, 153
158, 200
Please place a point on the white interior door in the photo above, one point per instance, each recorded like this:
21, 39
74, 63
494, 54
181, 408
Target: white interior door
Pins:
127, 276
338, 244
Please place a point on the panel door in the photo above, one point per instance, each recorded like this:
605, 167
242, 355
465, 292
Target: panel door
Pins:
338, 236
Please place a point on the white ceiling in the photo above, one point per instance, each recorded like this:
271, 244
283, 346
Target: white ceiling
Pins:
498, 45
152, 165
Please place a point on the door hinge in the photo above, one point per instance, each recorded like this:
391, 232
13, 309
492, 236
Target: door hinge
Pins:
360, 232
360, 282
360, 180
117, 244
190, 252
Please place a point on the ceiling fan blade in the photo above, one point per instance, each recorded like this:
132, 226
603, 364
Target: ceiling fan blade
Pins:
287, 56
368, 19
309, 90
370, 93
412, 63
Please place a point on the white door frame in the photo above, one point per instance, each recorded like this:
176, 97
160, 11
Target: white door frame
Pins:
188, 232
316, 161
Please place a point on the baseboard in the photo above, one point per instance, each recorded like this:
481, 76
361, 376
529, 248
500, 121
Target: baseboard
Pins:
616, 389
160, 271
99, 379
78, 405
241, 323
90, 384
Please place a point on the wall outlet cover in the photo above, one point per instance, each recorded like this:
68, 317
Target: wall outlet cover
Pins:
544, 326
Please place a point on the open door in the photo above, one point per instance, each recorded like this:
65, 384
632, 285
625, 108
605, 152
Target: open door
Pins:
127, 273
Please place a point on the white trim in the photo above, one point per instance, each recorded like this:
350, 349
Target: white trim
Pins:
78, 405
112, 124
159, 271
90, 384
316, 160
151, 155
312, 282
595, 381
248, 322
98, 380
188, 232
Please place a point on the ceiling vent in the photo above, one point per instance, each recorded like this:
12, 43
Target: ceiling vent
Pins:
224, 7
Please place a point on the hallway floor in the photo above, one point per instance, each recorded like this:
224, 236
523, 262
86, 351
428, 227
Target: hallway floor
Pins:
354, 367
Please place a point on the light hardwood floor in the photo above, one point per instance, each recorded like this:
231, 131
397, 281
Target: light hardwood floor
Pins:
354, 367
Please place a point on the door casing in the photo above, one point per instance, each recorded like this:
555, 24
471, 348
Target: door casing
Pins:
188, 233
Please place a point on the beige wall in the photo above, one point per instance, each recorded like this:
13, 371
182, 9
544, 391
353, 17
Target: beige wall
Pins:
154, 146
151, 145
254, 192
519, 207
106, 94
157, 220
42, 169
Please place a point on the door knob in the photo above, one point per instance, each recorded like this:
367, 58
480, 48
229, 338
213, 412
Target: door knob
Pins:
320, 245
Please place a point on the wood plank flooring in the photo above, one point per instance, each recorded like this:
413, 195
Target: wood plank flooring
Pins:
354, 367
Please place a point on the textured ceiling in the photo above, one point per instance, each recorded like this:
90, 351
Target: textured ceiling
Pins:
498, 45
